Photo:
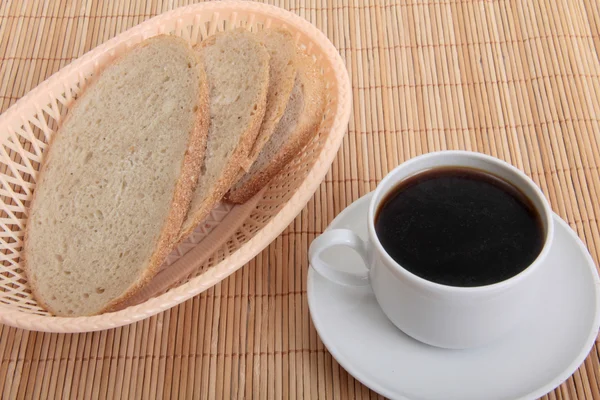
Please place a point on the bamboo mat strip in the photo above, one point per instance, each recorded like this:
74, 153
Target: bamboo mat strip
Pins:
516, 79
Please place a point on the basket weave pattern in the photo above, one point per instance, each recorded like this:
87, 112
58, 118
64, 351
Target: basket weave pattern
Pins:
26, 128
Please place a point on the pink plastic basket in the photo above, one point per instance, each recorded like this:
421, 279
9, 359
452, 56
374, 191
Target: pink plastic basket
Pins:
231, 236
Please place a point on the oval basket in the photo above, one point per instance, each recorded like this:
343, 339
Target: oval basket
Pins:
27, 126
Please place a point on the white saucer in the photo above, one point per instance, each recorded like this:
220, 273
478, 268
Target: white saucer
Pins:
531, 361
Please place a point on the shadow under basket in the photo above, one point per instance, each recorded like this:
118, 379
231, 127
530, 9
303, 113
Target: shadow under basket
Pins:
231, 236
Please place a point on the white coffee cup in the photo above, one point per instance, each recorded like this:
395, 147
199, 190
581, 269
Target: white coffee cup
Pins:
440, 315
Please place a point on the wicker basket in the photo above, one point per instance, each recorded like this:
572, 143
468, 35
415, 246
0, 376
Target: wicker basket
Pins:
231, 236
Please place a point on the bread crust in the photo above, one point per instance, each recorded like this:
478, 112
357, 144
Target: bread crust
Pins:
278, 92
182, 193
308, 125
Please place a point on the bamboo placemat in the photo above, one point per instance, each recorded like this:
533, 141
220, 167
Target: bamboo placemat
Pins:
515, 79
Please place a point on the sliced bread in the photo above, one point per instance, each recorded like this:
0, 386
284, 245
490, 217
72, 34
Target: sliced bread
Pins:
282, 50
300, 121
117, 179
237, 69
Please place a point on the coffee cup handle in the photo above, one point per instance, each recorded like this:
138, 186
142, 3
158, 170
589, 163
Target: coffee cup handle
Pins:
339, 237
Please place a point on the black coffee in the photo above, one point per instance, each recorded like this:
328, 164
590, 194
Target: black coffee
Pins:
459, 227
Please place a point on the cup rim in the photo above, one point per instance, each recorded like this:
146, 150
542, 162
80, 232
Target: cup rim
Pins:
546, 214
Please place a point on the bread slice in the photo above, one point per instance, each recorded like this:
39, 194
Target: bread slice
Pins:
117, 179
300, 121
282, 50
237, 68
